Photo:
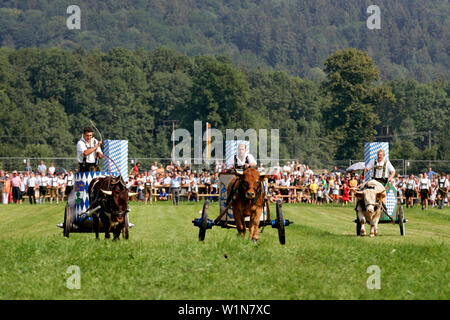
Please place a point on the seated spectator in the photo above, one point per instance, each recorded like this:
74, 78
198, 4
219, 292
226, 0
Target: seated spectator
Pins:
170, 167
193, 191
163, 195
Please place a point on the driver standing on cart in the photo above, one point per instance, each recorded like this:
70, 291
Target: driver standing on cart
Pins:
243, 159
382, 169
88, 151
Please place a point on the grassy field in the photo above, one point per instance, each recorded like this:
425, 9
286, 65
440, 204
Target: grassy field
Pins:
322, 258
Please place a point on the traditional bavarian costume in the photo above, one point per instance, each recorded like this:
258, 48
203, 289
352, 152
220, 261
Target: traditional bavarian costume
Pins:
240, 164
89, 162
442, 186
381, 170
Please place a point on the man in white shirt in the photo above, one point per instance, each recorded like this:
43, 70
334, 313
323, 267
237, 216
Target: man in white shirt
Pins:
69, 180
148, 181
308, 172
243, 159
382, 169
31, 186
424, 186
43, 183
88, 150
411, 187
443, 189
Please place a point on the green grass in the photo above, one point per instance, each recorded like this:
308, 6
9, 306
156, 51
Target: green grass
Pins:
322, 258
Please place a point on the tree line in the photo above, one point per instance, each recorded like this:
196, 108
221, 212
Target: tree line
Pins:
295, 35
48, 95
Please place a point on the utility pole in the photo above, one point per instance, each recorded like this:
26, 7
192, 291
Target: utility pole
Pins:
429, 139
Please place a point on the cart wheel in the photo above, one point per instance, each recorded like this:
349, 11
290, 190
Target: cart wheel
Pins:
204, 225
401, 222
125, 233
67, 221
280, 222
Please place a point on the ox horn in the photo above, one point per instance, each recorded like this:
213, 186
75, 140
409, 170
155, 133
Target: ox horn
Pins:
132, 194
108, 193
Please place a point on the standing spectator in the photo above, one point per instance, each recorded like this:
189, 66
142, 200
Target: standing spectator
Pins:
160, 170
336, 189
140, 186
42, 168
6, 189
53, 187
313, 190
135, 170
31, 187
43, 184
51, 169
433, 193
175, 186
261, 169
400, 185
353, 183
28, 168
443, 188
70, 179
15, 183
62, 186
2, 179
308, 172
23, 186
148, 180
154, 167
287, 167
430, 173
170, 167
345, 194
424, 186
411, 186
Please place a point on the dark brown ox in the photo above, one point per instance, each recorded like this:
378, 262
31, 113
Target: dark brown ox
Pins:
108, 198
247, 192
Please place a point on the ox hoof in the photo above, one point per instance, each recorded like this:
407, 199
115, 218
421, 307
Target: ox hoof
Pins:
372, 235
255, 241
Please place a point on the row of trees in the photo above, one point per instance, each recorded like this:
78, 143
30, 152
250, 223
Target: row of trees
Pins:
295, 35
48, 95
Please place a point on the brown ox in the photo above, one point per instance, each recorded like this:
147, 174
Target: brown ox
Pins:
247, 192
108, 198
369, 205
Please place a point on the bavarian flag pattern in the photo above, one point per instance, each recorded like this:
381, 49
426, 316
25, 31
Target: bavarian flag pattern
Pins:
117, 150
81, 185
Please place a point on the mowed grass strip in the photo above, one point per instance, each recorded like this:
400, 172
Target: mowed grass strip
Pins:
322, 258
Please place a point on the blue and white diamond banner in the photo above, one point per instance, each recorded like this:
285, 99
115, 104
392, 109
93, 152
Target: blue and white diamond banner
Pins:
117, 150
81, 185
231, 147
370, 153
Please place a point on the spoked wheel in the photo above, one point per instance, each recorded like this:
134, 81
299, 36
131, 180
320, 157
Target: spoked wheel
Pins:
125, 232
401, 220
67, 220
280, 223
203, 226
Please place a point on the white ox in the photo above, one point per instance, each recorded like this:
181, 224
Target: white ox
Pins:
371, 196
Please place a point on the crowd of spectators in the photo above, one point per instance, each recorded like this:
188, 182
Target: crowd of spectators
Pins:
39, 186
292, 183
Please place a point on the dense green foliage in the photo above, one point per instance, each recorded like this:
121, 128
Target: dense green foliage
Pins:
292, 35
163, 259
48, 95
